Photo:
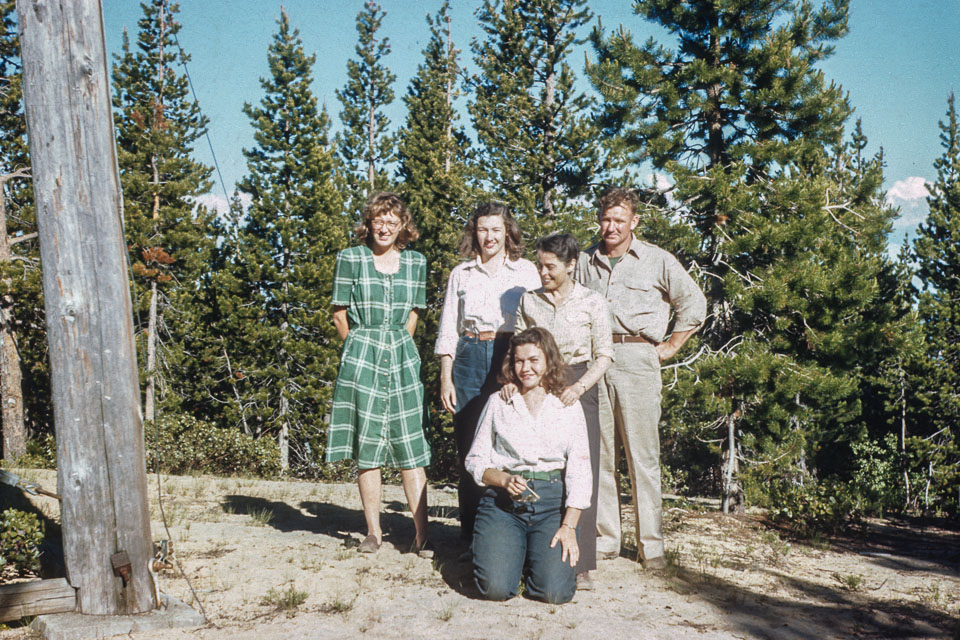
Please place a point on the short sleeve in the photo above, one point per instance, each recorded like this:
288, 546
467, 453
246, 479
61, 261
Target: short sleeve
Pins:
521, 323
420, 282
344, 275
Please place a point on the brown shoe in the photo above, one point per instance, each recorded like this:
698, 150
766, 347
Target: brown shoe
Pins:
584, 581
370, 544
655, 564
608, 555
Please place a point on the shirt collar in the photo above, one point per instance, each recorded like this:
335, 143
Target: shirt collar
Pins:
636, 245
513, 265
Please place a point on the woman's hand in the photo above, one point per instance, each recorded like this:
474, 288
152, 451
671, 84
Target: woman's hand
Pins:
507, 391
448, 395
515, 485
448, 392
572, 393
567, 538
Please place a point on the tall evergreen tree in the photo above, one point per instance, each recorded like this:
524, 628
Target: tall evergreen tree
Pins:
749, 130
287, 246
170, 238
24, 377
432, 153
366, 145
539, 146
936, 251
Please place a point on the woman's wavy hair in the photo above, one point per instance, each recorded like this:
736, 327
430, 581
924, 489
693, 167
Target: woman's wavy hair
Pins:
385, 203
470, 248
554, 378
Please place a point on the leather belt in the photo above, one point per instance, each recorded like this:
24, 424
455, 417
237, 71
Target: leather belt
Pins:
486, 336
620, 338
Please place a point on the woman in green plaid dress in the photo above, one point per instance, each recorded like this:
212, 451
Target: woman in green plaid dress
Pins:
378, 411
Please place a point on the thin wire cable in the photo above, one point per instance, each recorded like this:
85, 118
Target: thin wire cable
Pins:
206, 133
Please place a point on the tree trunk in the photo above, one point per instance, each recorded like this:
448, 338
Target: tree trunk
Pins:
903, 438
732, 500
448, 94
93, 368
11, 389
371, 142
549, 137
149, 402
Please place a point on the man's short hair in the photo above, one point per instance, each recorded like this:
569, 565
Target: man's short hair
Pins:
618, 196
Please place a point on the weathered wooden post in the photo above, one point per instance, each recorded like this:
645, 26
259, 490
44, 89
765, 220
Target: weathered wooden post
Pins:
100, 450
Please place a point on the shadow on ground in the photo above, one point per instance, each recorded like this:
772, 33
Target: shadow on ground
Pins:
347, 525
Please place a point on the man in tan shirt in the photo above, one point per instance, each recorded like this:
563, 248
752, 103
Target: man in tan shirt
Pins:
641, 283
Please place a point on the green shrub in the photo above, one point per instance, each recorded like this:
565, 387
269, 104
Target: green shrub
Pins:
41, 453
185, 444
813, 508
20, 538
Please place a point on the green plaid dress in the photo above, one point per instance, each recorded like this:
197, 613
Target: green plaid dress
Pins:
378, 413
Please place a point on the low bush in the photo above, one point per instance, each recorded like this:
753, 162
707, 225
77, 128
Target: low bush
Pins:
184, 444
20, 538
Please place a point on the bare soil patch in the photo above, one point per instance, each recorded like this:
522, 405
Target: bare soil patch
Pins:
277, 560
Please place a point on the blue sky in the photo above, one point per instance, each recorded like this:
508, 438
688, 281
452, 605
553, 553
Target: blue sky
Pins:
899, 63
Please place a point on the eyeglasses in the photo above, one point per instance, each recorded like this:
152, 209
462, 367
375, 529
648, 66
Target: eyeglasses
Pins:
529, 495
392, 225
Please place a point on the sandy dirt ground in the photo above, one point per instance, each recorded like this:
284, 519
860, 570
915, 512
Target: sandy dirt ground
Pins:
278, 560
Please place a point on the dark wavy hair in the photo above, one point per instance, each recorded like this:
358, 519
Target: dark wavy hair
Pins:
382, 204
554, 378
618, 196
470, 248
562, 245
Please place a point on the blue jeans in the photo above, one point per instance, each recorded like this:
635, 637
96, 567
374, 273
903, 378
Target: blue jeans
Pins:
475, 368
509, 536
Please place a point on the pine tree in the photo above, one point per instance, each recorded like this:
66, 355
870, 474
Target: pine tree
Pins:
790, 249
23, 360
287, 246
432, 153
539, 146
936, 251
365, 143
169, 236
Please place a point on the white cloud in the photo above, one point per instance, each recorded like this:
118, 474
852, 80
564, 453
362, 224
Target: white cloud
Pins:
909, 189
218, 203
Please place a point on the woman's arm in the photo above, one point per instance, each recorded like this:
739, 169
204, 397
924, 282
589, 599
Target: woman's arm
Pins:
589, 378
566, 535
448, 392
412, 322
340, 321
515, 485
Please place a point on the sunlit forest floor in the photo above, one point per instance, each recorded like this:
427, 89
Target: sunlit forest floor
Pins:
276, 559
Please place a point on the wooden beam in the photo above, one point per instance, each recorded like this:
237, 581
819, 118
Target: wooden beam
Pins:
35, 598
95, 388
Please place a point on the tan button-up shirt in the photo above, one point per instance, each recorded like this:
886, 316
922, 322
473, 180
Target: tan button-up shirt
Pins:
642, 287
580, 324
477, 300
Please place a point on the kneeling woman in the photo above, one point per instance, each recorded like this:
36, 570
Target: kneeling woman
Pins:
532, 458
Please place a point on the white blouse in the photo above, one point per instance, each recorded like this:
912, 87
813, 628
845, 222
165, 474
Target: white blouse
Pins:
509, 438
477, 300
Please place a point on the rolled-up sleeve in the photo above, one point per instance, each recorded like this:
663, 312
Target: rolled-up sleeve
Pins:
689, 303
479, 458
579, 478
449, 332
601, 337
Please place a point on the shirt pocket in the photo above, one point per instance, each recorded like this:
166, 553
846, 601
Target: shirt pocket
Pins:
641, 295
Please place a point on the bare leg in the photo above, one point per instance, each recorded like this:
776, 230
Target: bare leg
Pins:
415, 487
369, 482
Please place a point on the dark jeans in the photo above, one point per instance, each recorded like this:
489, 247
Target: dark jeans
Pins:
475, 368
590, 402
510, 536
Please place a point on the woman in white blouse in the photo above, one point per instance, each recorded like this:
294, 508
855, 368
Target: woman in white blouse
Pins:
531, 456
479, 311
